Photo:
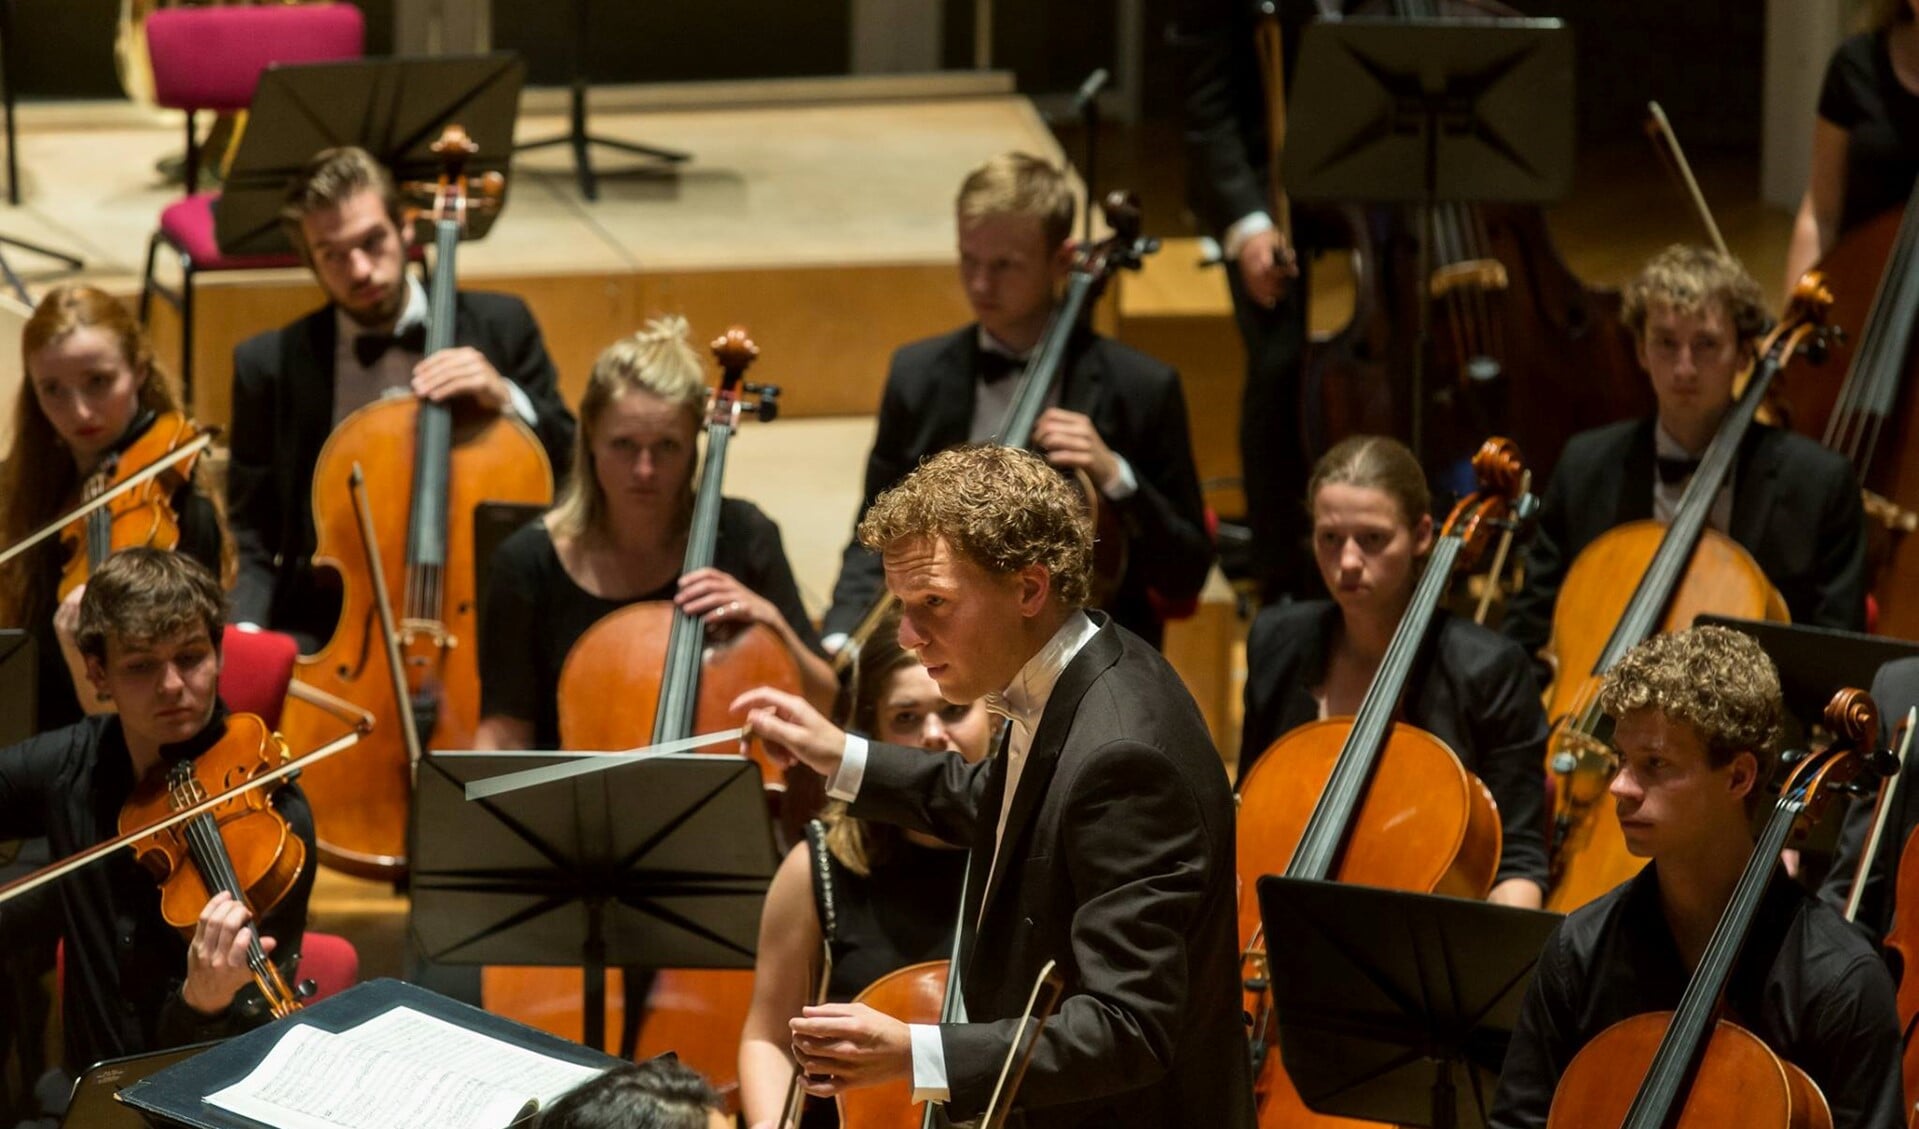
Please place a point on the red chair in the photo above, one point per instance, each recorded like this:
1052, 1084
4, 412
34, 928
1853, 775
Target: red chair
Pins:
210, 58
255, 670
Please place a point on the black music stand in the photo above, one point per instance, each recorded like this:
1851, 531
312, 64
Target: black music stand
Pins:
393, 108
1396, 992
659, 863
577, 137
1427, 112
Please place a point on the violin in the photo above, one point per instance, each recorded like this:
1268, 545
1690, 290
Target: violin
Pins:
1698, 1069
1683, 569
918, 993
1368, 799
427, 470
1093, 267
1870, 416
1520, 346
141, 516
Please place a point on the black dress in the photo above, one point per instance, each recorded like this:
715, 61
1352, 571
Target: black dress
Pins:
1863, 96
1468, 686
535, 612
902, 913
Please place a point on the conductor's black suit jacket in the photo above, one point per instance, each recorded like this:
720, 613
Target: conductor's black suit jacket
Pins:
1117, 862
1795, 508
1136, 405
282, 414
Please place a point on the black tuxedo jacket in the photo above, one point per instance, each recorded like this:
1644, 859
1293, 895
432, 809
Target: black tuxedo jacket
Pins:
1135, 404
1117, 862
282, 415
1895, 689
1795, 508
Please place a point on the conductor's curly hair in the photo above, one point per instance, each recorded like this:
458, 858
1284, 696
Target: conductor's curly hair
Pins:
1715, 680
1001, 507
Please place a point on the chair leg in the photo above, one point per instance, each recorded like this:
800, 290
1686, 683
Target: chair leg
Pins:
186, 330
146, 282
192, 175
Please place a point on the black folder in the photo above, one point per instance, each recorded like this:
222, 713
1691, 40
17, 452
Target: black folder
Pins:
177, 1095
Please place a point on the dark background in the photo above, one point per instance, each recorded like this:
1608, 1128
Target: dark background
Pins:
1700, 58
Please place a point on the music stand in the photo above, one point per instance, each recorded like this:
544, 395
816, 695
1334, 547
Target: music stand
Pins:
660, 863
1816, 662
1396, 992
395, 109
577, 136
1428, 112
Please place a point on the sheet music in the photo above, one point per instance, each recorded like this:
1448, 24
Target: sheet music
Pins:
401, 1070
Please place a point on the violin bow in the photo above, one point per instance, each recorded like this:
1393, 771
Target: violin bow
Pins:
1659, 128
1880, 815
1039, 1007
796, 1097
389, 631
54, 871
1499, 555
152, 471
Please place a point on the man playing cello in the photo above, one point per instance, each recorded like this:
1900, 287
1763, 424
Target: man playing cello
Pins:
1102, 834
1697, 722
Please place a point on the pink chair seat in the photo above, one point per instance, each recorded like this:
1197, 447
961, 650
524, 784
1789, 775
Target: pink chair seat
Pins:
210, 58
331, 962
188, 225
255, 669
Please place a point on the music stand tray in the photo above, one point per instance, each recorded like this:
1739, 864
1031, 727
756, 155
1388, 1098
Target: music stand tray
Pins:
660, 863
1392, 1006
392, 108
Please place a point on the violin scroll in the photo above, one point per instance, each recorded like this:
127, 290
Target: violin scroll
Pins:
1853, 716
1476, 518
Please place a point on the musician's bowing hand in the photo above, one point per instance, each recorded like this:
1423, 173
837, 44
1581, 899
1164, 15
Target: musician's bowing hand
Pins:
1071, 442
217, 955
841, 1046
791, 729
462, 371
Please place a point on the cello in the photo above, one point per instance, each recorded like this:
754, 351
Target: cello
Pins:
429, 468
1683, 569
1520, 346
643, 675
1368, 799
1698, 1069
1870, 417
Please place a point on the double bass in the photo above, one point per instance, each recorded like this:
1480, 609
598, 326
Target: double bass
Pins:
1696, 1068
1520, 346
428, 467
1870, 416
1683, 569
1368, 799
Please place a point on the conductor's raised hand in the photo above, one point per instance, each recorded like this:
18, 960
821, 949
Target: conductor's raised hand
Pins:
791, 729
841, 1046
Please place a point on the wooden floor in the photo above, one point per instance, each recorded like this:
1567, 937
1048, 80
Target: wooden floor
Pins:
825, 226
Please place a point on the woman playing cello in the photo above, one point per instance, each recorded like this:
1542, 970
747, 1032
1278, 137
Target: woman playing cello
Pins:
618, 536
1697, 723
149, 630
1372, 526
92, 392
890, 894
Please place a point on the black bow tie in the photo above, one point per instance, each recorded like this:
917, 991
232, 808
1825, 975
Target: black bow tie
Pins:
1672, 471
368, 348
995, 367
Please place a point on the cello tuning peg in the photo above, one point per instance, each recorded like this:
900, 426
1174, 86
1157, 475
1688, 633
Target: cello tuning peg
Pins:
769, 405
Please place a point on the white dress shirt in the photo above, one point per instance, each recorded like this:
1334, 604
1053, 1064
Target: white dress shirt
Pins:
356, 385
1665, 495
1022, 703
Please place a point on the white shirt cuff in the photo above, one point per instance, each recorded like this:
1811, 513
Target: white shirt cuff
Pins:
832, 643
1244, 228
1123, 484
929, 1063
845, 784
522, 404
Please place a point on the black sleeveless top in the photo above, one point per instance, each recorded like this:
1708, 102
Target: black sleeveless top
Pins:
903, 913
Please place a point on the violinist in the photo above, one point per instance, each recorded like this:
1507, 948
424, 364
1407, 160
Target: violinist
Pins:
149, 629
891, 895
1697, 720
293, 385
1104, 828
1865, 140
1372, 527
92, 390
1895, 689
1793, 504
618, 536
1119, 415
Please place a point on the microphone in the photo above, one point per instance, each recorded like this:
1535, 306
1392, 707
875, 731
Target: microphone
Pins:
1089, 90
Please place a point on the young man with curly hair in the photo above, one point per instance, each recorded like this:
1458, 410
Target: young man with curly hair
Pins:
1696, 317
1697, 720
1101, 833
